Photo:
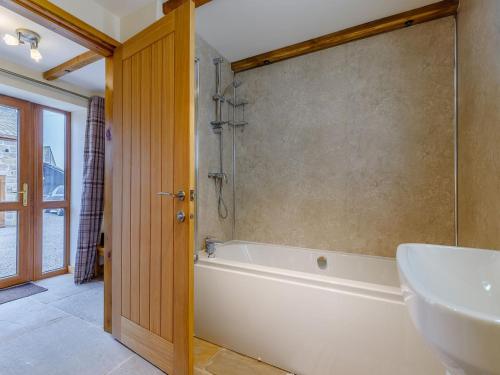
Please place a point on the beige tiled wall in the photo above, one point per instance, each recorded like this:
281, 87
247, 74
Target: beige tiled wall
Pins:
479, 123
209, 223
352, 148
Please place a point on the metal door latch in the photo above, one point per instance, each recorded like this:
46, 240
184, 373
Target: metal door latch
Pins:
180, 216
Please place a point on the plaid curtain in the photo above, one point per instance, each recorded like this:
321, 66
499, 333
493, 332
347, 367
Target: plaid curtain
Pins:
92, 194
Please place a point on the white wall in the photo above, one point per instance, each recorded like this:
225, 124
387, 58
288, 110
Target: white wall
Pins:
94, 14
78, 125
140, 19
119, 28
37, 93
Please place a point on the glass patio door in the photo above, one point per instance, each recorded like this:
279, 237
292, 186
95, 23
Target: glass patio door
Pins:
16, 196
51, 192
34, 191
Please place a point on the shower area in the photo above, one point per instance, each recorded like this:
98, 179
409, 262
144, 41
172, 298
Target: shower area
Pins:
220, 113
311, 172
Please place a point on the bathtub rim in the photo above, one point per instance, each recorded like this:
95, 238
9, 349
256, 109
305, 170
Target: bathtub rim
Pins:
354, 287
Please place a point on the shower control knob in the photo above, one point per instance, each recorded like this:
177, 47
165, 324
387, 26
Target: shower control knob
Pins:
180, 216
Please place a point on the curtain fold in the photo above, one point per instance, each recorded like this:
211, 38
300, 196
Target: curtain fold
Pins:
92, 204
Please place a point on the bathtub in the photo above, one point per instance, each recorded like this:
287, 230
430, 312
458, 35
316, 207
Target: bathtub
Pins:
309, 312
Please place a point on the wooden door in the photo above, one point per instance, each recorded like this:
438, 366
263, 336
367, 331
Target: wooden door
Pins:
153, 153
16, 197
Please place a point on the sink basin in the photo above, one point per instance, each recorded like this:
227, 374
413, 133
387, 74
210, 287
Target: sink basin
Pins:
453, 296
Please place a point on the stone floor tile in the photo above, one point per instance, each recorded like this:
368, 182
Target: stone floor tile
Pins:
136, 366
60, 287
67, 346
229, 363
25, 315
88, 305
203, 352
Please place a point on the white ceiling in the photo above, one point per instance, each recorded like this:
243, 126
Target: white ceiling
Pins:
55, 50
91, 78
123, 7
236, 28
244, 28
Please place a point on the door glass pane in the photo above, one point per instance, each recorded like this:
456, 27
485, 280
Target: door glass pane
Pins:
54, 149
9, 131
8, 244
53, 239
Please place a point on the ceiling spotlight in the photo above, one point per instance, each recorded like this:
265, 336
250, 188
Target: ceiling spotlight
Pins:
25, 36
10, 40
35, 54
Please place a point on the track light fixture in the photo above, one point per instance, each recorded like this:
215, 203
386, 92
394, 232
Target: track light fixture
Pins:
25, 36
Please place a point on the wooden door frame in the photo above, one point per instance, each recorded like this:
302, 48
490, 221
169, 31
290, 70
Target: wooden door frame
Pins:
38, 204
25, 147
48, 15
55, 18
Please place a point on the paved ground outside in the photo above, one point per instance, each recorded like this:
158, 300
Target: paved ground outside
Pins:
53, 245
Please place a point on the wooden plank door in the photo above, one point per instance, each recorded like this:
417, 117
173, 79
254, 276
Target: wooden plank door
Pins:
16, 197
153, 158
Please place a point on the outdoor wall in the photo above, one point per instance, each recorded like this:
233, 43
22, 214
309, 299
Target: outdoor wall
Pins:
479, 123
352, 148
209, 223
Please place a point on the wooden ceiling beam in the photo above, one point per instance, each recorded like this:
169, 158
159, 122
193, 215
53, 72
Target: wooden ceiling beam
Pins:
171, 5
63, 23
427, 13
69, 66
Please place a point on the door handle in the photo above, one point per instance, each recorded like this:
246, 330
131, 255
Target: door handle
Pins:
180, 195
24, 193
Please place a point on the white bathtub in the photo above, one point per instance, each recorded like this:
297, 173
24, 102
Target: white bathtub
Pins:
274, 303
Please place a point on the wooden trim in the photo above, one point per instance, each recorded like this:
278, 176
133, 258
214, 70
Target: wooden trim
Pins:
427, 13
116, 234
171, 5
108, 197
25, 217
55, 204
58, 20
69, 66
184, 180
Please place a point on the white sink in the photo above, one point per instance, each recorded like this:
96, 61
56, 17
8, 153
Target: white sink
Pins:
453, 295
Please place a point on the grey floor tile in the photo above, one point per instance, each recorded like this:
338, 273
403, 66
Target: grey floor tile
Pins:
67, 346
61, 287
226, 362
88, 305
136, 366
25, 315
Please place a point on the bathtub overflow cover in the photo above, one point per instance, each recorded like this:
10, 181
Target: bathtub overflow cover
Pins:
322, 263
